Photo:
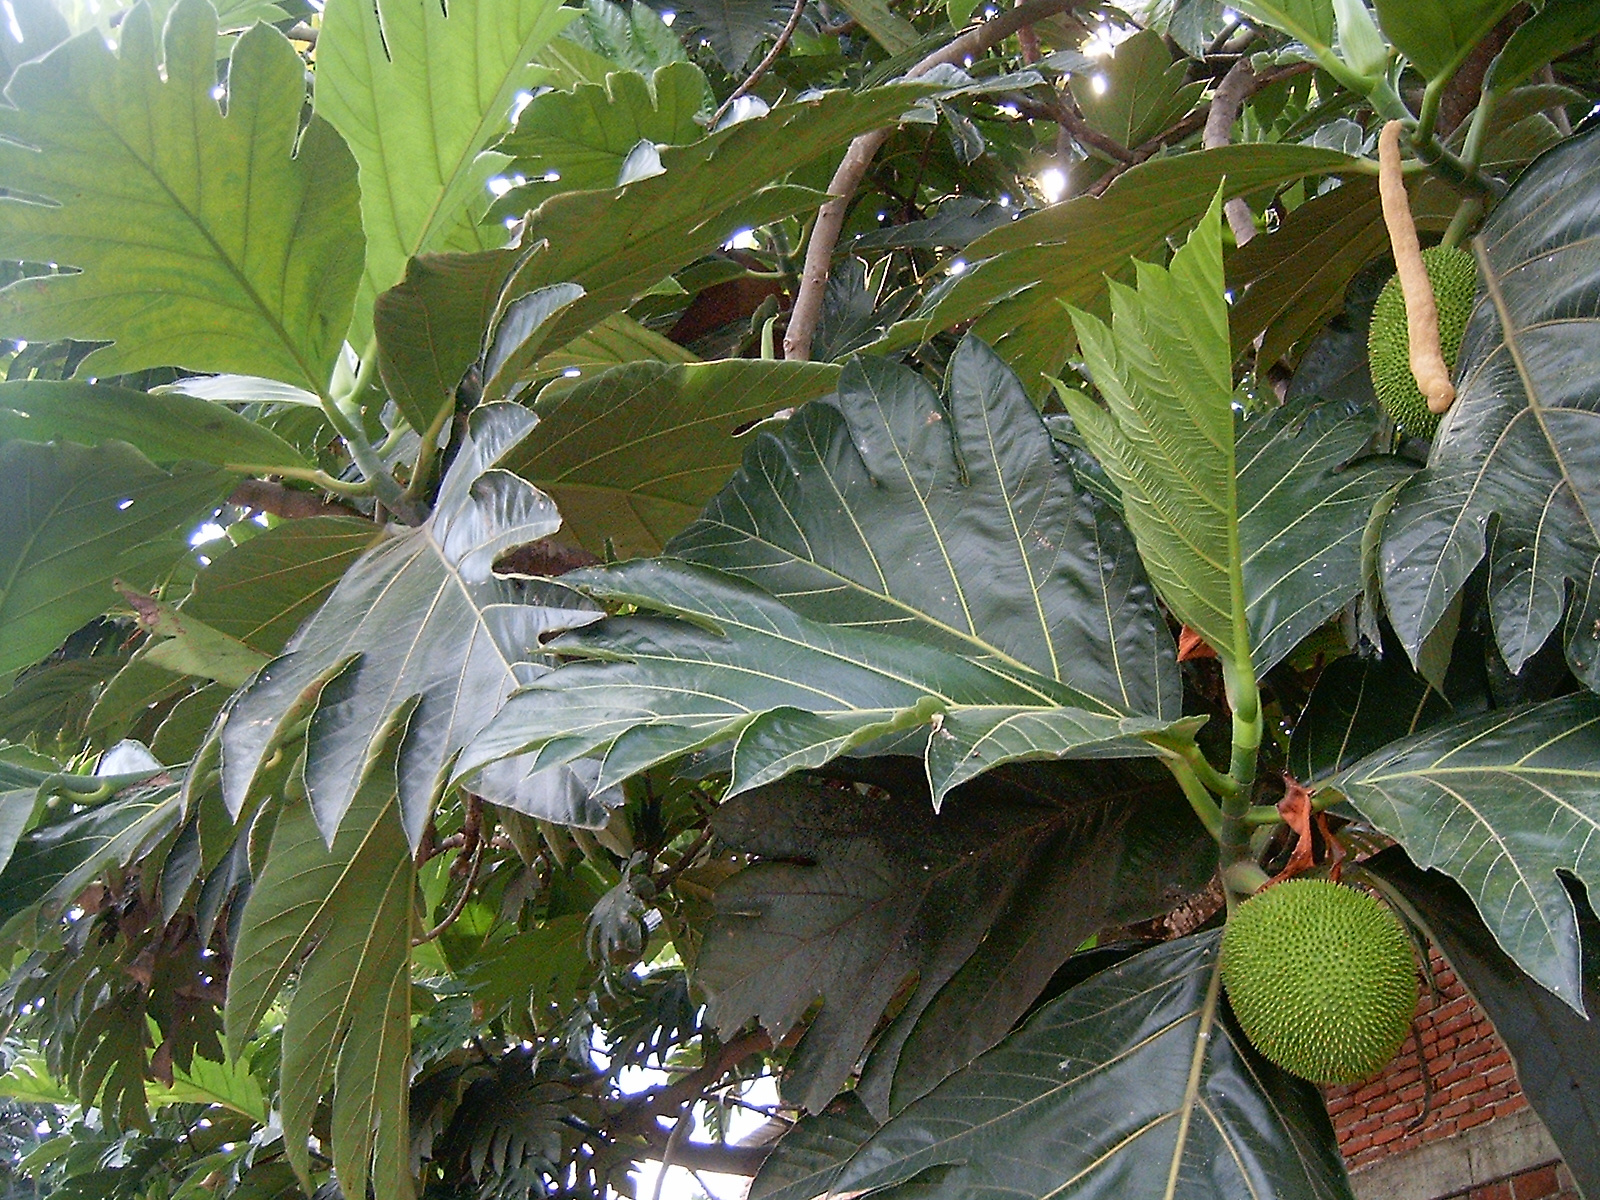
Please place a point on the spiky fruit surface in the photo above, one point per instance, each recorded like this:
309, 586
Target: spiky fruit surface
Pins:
1321, 978
1454, 275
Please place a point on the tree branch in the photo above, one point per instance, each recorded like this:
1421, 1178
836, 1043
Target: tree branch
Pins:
1231, 93
1189, 124
722, 1157
261, 495
764, 65
858, 158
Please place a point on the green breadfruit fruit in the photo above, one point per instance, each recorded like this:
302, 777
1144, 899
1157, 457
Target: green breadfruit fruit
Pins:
1321, 978
1454, 275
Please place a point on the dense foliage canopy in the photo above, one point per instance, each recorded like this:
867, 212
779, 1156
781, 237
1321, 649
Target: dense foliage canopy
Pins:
572, 571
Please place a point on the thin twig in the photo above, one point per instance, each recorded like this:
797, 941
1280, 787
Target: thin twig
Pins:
1193, 121
1231, 93
764, 65
858, 158
1067, 115
461, 900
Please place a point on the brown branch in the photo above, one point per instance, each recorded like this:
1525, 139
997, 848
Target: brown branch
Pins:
1231, 93
1067, 115
764, 65
666, 1099
262, 495
724, 1158
472, 841
858, 158
1194, 121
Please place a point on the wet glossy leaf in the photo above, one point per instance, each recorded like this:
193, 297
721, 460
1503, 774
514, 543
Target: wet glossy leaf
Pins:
1521, 445
726, 662
1090, 1097
1306, 490
1500, 803
415, 619
855, 896
638, 490
952, 522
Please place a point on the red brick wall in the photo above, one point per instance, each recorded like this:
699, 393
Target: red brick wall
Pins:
1471, 1073
1542, 1183
1473, 1082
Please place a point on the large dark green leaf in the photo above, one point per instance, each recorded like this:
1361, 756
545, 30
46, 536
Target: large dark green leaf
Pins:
954, 523
734, 28
1105, 1092
1521, 445
1022, 273
1359, 706
618, 243
1558, 28
55, 861
990, 604
72, 519
1290, 280
857, 895
430, 326
1138, 93
343, 916
1437, 34
631, 455
166, 428
414, 619
1166, 436
813, 1151
218, 243
52, 701
1304, 501
1500, 803
585, 135
1556, 1052
261, 591
726, 662
420, 91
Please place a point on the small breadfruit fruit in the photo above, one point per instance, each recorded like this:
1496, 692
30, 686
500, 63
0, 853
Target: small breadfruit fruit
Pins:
1321, 978
1454, 275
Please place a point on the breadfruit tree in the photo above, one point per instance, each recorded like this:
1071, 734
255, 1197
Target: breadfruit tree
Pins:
568, 570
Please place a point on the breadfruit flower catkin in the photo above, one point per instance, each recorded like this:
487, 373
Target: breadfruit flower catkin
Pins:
1422, 317
1454, 276
1321, 979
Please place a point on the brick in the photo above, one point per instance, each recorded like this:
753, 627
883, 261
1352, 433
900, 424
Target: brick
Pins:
1493, 1191
1500, 1074
1371, 1091
1476, 1117
1354, 1146
1538, 1184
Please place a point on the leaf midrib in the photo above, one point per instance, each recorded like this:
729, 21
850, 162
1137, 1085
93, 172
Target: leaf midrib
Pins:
318, 385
